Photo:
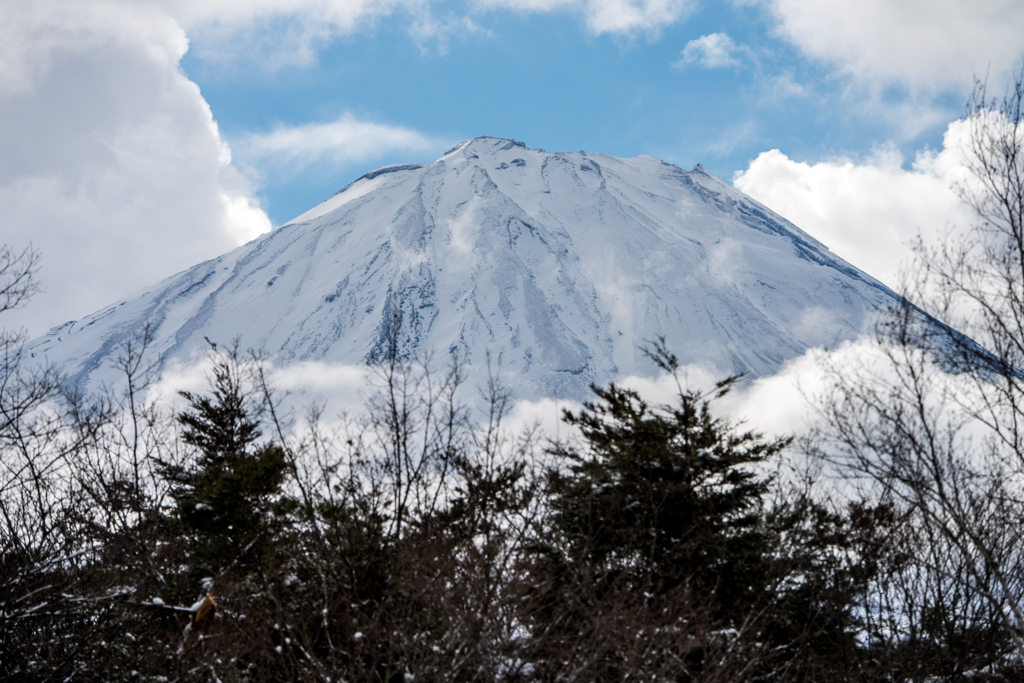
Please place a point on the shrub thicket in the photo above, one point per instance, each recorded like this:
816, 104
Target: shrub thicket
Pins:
417, 541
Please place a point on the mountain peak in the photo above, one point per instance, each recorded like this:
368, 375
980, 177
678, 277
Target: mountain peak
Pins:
554, 268
485, 144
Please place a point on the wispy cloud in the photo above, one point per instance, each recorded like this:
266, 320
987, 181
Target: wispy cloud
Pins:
713, 51
345, 140
283, 33
732, 137
616, 17
635, 16
275, 33
920, 46
429, 31
291, 32
781, 86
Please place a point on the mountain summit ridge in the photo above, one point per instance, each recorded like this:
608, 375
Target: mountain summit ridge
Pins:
557, 266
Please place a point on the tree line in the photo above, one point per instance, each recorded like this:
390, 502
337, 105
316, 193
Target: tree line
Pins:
424, 540
415, 542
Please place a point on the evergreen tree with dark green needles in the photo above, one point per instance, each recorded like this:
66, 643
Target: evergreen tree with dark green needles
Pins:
225, 496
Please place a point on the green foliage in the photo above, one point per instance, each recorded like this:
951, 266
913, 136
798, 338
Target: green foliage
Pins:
661, 545
664, 552
226, 495
659, 497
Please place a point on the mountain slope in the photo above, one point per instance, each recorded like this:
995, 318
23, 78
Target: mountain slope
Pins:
556, 265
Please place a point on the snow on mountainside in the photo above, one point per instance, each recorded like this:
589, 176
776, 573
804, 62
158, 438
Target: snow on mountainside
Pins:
558, 265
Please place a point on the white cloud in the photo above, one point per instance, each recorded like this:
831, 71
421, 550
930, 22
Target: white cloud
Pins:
113, 166
919, 44
713, 51
620, 17
795, 401
783, 404
342, 16
281, 33
866, 212
732, 137
632, 16
779, 405
427, 28
345, 140
529, 5
278, 33
334, 387
275, 33
780, 87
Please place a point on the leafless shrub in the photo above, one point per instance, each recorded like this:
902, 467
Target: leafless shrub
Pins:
932, 424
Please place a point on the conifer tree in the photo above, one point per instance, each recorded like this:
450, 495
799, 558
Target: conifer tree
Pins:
663, 496
225, 496
656, 553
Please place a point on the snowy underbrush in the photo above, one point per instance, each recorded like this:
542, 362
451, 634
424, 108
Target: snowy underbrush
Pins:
226, 537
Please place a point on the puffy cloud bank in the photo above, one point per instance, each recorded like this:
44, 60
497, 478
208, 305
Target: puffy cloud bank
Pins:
114, 167
779, 405
867, 211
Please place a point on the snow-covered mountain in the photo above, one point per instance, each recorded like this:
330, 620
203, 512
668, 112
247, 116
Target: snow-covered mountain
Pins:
559, 266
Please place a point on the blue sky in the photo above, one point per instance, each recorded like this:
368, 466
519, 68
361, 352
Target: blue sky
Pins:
547, 79
142, 136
